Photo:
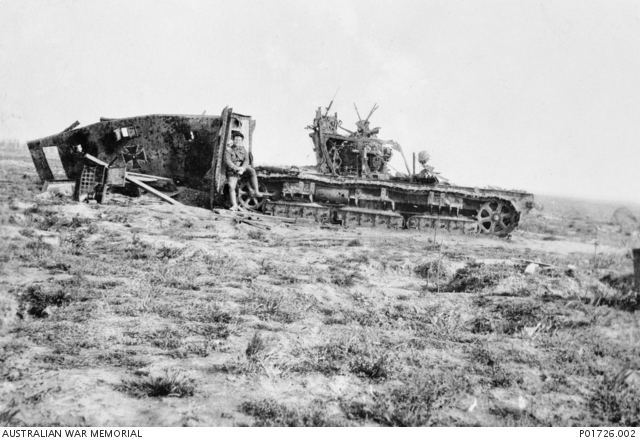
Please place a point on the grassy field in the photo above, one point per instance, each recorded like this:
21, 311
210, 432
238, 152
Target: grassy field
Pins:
135, 313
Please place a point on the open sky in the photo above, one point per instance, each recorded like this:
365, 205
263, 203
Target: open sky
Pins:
536, 95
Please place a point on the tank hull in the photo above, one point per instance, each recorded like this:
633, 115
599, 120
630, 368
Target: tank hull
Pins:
395, 204
187, 149
351, 184
172, 146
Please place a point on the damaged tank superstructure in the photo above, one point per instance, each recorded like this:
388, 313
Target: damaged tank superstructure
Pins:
174, 154
351, 184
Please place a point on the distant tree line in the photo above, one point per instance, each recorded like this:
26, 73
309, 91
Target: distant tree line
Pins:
11, 144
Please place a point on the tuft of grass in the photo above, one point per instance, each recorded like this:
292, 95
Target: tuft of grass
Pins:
27, 232
200, 348
477, 278
330, 358
74, 239
58, 266
512, 417
35, 301
8, 417
139, 250
434, 269
374, 368
409, 405
515, 316
443, 324
270, 413
212, 313
39, 247
346, 355
615, 401
179, 276
344, 317
356, 258
258, 235
285, 273
167, 338
624, 296
346, 278
108, 284
45, 219
256, 345
487, 364
122, 358
219, 264
482, 356
267, 304
172, 384
479, 325
166, 252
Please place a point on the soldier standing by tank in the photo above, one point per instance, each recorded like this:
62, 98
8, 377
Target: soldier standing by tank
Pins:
237, 164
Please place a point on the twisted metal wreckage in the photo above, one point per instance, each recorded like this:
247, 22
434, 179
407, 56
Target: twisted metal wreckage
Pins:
181, 157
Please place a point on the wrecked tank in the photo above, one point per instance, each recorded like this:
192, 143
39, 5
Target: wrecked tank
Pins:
171, 156
180, 158
351, 185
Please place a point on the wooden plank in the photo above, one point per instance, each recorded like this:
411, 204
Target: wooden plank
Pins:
254, 224
152, 190
536, 262
217, 180
141, 177
96, 160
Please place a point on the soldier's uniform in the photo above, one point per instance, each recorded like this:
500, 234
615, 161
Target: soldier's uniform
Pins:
234, 158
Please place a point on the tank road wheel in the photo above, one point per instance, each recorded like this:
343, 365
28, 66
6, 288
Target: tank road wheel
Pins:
497, 218
247, 200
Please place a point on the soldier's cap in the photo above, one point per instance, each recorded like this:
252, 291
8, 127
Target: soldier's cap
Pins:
423, 156
236, 133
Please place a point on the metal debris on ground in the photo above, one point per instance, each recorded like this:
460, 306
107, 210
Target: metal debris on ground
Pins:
507, 262
531, 268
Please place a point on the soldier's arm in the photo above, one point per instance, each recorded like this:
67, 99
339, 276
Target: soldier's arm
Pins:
245, 163
229, 162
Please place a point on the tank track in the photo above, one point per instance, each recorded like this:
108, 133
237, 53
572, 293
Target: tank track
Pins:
390, 205
379, 219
